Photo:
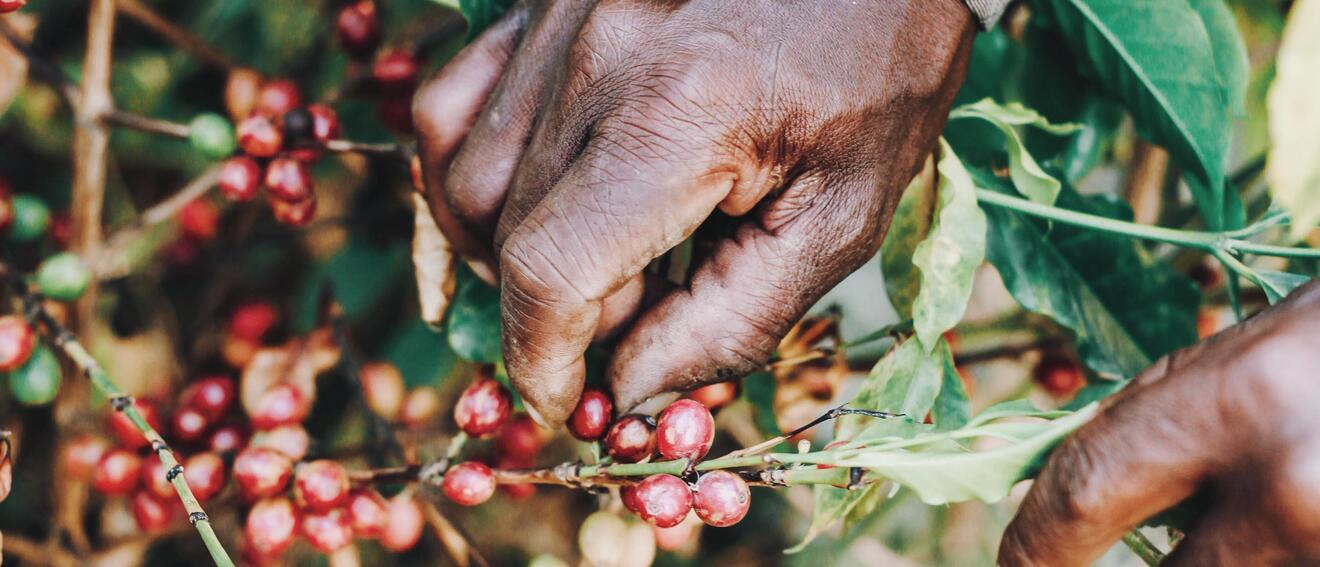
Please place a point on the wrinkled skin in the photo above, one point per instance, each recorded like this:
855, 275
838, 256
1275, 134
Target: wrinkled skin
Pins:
1234, 419
576, 141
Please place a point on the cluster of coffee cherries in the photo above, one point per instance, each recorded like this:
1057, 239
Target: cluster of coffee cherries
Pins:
25, 220
34, 373
393, 70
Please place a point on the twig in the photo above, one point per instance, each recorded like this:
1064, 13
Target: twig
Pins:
145, 123
66, 342
119, 254
832, 414
181, 38
1006, 351
389, 150
456, 543
43, 68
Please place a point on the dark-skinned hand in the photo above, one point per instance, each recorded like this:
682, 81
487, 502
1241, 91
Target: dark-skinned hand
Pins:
1234, 419
576, 141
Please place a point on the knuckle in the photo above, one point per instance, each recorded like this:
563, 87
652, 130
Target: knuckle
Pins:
534, 275
1295, 497
1077, 480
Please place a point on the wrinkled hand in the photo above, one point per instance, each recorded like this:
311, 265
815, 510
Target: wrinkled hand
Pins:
576, 141
1235, 419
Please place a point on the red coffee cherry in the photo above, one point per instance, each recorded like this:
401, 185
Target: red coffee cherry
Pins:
283, 404
358, 28
396, 70
153, 478
469, 483
325, 123
395, 112
239, 178
591, 416
366, 513
520, 491
403, 523
199, 220
16, 342
628, 495
270, 526
320, 485
665, 500
259, 137
81, 453
291, 439
294, 214
278, 97
212, 396
1059, 375
631, 439
288, 180
152, 513
205, 474
327, 531
252, 320
126, 432
685, 430
7, 6
721, 498
715, 396
521, 438
483, 408
420, 408
188, 424
262, 472
227, 438
118, 472
382, 389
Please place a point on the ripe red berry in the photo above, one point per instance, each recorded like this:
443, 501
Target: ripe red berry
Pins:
1059, 375
252, 320
521, 438
199, 220
270, 526
153, 477
325, 123
420, 408
126, 432
320, 485
395, 70
16, 342
290, 439
631, 439
358, 28
469, 483
152, 513
118, 472
721, 498
327, 531
294, 213
685, 430
520, 491
395, 112
628, 495
288, 180
282, 404
665, 500
591, 416
403, 523
382, 389
278, 97
205, 474
188, 424
366, 513
7, 6
239, 178
262, 472
212, 396
483, 408
259, 137
81, 453
227, 438
715, 396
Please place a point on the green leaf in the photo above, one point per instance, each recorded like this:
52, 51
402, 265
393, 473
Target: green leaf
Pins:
952, 409
1014, 408
1277, 285
910, 224
1027, 175
1294, 121
1230, 51
422, 355
480, 14
949, 256
1158, 59
362, 274
473, 325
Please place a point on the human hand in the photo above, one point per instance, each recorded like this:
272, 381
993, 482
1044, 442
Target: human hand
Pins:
574, 142
1235, 418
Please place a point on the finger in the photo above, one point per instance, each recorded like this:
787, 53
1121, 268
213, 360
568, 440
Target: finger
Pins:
444, 111
624, 202
746, 294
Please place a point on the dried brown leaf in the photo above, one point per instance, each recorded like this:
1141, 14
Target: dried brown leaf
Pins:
434, 263
296, 362
806, 388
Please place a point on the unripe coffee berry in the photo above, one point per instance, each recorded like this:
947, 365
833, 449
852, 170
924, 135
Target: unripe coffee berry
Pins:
211, 135
420, 408
721, 498
366, 513
358, 28
262, 472
282, 404
211, 396
31, 218
602, 538
320, 485
127, 433
631, 439
118, 472
665, 500
469, 483
327, 531
239, 178
241, 91
270, 526
63, 277
382, 389
403, 523
37, 381
16, 342
591, 416
685, 429
288, 180
483, 407
205, 474
278, 97
259, 137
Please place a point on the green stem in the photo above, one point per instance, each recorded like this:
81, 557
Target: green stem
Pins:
1143, 548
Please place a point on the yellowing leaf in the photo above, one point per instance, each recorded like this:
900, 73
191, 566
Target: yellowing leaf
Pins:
948, 257
1294, 162
434, 264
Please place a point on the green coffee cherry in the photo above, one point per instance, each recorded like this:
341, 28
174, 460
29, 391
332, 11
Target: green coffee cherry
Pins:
31, 218
63, 277
38, 381
211, 135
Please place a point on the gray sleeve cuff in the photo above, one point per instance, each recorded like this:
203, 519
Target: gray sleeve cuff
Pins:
987, 11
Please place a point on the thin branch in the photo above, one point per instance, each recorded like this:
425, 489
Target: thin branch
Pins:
145, 123
388, 150
43, 68
199, 48
121, 252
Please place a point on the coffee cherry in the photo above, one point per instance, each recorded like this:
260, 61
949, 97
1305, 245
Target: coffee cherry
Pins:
262, 472
395, 112
721, 498
80, 455
16, 342
483, 408
521, 438
6, 213
212, 396
297, 213
282, 404
63, 277
395, 70
327, 531
37, 381
31, 218
205, 474
678, 538
325, 123
239, 178
591, 416
227, 438
631, 439
288, 180
520, 491
188, 424
602, 538
715, 396
297, 127
420, 408
199, 220
127, 433
382, 389
270, 526
469, 483
259, 137
639, 546
252, 320
241, 91
153, 477
685, 430
358, 28
320, 485
211, 135
366, 513
118, 472
1059, 375
290, 439
152, 513
403, 523
665, 500
7, 6
278, 97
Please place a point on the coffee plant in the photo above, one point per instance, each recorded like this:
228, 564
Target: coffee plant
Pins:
213, 352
